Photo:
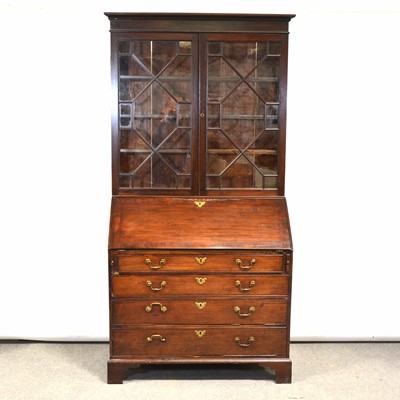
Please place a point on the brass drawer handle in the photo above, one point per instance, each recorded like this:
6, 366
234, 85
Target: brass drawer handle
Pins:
150, 285
240, 263
199, 333
150, 338
237, 310
150, 307
201, 260
162, 262
249, 341
238, 284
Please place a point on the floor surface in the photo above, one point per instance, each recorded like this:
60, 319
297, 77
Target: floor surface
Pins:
322, 371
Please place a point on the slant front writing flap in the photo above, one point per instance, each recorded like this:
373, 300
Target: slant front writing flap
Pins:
199, 223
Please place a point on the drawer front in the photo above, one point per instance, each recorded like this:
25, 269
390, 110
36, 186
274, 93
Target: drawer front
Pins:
200, 311
163, 284
199, 341
202, 262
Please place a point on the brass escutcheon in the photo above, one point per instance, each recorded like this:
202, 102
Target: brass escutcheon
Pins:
237, 310
200, 334
238, 284
150, 307
148, 262
199, 203
200, 304
201, 260
150, 285
201, 281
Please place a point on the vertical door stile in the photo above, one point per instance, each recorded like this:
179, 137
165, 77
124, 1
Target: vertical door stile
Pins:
202, 113
196, 133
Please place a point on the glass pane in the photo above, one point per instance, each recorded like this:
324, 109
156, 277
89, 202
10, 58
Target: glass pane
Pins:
267, 141
264, 80
130, 162
178, 140
214, 115
266, 163
183, 114
241, 174
184, 181
154, 172
125, 181
218, 162
154, 55
176, 78
213, 182
155, 113
132, 140
271, 117
124, 47
274, 48
243, 115
241, 56
218, 140
185, 47
131, 66
222, 79
270, 182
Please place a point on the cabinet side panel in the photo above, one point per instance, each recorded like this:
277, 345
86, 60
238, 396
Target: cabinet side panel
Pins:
282, 116
114, 113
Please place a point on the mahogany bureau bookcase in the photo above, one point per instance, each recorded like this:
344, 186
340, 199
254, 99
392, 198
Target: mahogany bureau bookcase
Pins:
200, 249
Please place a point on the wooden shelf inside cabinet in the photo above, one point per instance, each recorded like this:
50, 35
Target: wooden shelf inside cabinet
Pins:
248, 151
149, 78
200, 250
166, 151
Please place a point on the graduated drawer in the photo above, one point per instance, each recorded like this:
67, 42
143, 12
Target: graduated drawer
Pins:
202, 310
198, 262
163, 284
199, 341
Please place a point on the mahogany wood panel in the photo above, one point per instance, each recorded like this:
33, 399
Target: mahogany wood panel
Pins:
129, 262
188, 311
164, 285
178, 223
216, 341
201, 262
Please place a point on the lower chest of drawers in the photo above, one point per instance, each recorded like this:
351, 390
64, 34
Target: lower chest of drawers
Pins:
212, 304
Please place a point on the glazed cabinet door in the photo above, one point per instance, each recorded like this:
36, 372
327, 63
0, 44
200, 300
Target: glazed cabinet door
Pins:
199, 114
155, 83
244, 95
